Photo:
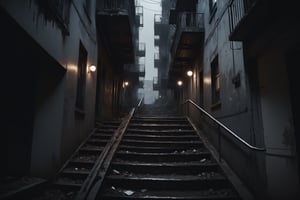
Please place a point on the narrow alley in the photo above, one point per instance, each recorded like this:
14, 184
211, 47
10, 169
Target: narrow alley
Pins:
149, 99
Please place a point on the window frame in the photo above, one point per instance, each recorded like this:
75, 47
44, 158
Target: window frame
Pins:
215, 83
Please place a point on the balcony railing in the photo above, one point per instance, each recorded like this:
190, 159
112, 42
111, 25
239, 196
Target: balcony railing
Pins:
117, 7
115, 17
141, 50
156, 40
141, 82
189, 35
141, 68
139, 10
189, 19
155, 83
157, 24
135, 69
238, 10
156, 60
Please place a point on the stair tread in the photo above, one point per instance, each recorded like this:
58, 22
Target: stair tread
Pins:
159, 125
163, 154
98, 149
165, 164
130, 130
160, 136
158, 148
79, 172
169, 194
162, 142
165, 177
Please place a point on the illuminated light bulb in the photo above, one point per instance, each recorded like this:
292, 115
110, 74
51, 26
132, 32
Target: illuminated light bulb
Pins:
93, 68
179, 83
189, 73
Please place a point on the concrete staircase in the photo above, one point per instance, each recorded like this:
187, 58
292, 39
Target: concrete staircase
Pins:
164, 158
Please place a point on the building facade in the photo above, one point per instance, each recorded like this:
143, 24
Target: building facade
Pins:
53, 98
241, 54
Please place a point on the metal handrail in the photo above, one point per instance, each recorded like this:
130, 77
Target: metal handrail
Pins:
225, 128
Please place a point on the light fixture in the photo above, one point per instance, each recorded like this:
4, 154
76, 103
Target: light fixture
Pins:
189, 73
179, 83
125, 84
92, 68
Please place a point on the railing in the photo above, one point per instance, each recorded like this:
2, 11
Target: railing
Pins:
139, 10
155, 83
220, 125
237, 10
139, 105
190, 19
156, 40
92, 185
186, 21
141, 69
157, 18
156, 60
116, 6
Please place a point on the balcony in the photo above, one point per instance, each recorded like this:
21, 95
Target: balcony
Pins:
157, 24
139, 10
156, 60
188, 38
141, 68
156, 40
141, 50
116, 22
134, 70
141, 82
155, 83
248, 18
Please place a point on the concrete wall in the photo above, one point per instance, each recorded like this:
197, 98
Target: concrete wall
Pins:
258, 110
282, 170
57, 128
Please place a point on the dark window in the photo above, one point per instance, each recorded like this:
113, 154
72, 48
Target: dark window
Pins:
215, 81
81, 77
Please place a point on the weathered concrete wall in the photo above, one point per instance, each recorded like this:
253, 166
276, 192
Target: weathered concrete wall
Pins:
57, 127
282, 169
258, 110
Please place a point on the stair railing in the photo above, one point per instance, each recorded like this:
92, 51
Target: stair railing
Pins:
221, 125
90, 189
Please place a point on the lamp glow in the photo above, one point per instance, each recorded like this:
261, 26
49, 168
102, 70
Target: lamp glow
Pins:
189, 73
125, 84
92, 68
179, 83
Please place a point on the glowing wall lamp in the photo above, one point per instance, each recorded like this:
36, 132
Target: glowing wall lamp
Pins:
125, 84
189, 73
179, 83
92, 68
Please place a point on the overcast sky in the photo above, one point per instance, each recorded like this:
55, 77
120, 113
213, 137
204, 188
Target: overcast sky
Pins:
151, 7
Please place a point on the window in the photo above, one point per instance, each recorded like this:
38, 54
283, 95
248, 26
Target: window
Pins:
81, 77
215, 82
